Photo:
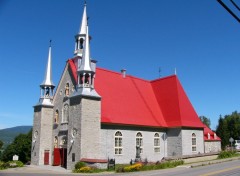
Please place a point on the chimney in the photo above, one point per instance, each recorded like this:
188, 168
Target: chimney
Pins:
123, 71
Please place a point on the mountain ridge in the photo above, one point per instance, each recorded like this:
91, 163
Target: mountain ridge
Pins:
7, 135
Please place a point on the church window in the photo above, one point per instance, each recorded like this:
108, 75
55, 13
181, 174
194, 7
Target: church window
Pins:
118, 143
65, 113
157, 143
194, 142
139, 142
55, 142
67, 89
56, 118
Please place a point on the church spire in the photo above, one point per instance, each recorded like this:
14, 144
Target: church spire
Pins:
47, 85
84, 20
48, 74
85, 64
81, 36
86, 67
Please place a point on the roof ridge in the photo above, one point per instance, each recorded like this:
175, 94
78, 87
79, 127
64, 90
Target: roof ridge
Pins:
166, 77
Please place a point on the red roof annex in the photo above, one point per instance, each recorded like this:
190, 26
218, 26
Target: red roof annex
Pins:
133, 101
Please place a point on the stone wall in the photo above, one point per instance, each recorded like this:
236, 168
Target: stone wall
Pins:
174, 138
212, 146
129, 143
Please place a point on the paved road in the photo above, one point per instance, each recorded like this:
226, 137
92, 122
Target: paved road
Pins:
231, 168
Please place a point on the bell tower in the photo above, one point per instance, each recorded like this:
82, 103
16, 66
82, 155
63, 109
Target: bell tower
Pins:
43, 120
85, 106
81, 36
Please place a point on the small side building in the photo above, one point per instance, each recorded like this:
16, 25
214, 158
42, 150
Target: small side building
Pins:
212, 143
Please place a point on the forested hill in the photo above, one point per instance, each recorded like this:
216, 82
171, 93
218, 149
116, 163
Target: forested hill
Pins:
7, 135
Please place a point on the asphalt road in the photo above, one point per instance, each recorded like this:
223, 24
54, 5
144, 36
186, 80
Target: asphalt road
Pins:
231, 168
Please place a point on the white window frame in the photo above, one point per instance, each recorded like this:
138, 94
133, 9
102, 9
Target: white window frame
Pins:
156, 143
118, 143
194, 142
139, 141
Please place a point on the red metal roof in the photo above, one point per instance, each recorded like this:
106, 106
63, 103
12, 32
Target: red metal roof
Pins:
134, 101
211, 134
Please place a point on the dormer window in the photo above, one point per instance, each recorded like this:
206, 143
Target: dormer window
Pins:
208, 136
215, 136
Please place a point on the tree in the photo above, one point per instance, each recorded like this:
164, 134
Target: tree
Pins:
1, 144
205, 121
229, 126
21, 146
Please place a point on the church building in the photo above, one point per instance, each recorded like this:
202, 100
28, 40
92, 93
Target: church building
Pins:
96, 114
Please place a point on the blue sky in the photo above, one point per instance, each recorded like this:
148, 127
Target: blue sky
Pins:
198, 38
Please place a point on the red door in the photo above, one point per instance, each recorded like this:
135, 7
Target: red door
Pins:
46, 157
57, 157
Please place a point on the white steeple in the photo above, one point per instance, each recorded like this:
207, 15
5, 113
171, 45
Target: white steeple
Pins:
84, 21
85, 63
47, 85
86, 67
48, 74
81, 36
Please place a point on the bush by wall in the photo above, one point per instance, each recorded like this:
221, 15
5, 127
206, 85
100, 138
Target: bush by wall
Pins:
144, 167
227, 154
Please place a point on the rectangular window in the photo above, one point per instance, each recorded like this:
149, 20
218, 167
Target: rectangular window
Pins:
73, 157
157, 143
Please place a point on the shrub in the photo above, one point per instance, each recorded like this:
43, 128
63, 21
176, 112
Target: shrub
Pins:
141, 167
3, 165
79, 165
84, 169
227, 154
134, 167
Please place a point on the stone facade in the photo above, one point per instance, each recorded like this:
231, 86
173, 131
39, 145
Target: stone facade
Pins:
42, 134
212, 146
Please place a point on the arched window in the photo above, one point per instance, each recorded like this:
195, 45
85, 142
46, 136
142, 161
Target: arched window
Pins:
157, 143
208, 135
194, 142
65, 113
139, 142
118, 143
56, 118
67, 89
55, 142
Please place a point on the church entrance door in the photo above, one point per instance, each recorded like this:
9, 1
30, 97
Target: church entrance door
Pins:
46, 157
63, 154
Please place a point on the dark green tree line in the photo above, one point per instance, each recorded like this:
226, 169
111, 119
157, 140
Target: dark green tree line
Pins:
21, 146
228, 126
